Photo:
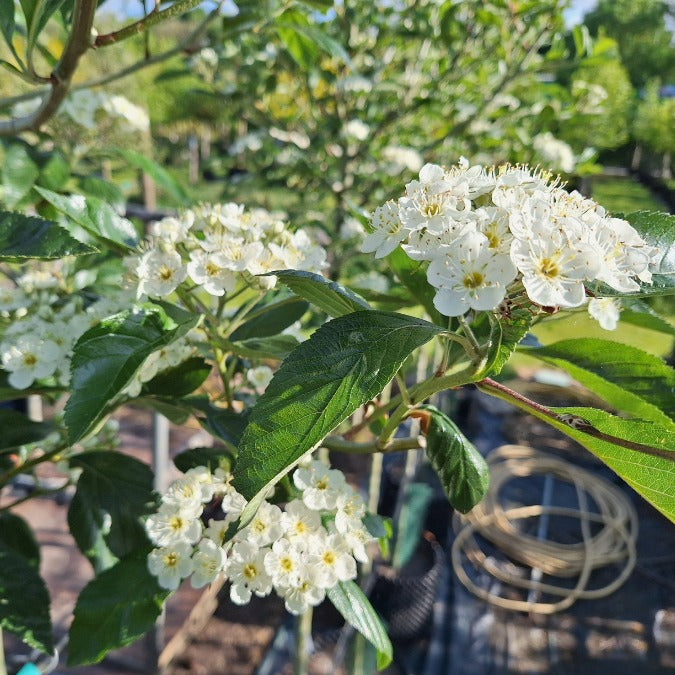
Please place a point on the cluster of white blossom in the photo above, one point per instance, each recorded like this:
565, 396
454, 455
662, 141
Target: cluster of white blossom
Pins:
300, 551
217, 247
486, 233
41, 322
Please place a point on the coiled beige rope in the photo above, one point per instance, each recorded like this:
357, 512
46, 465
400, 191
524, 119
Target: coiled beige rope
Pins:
613, 544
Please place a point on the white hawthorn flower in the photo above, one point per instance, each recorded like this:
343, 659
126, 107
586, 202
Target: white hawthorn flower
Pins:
388, 231
171, 564
246, 570
304, 594
469, 276
299, 521
553, 271
284, 563
207, 563
30, 359
211, 272
332, 560
605, 311
260, 377
320, 485
350, 509
356, 539
265, 527
159, 273
173, 524
187, 492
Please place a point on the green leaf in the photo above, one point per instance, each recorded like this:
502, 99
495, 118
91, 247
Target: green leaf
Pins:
94, 186
96, 216
327, 295
626, 377
116, 490
18, 430
342, 366
173, 409
54, 173
463, 472
506, 333
158, 173
355, 607
375, 525
271, 319
300, 46
19, 173
180, 380
651, 476
416, 502
114, 610
31, 237
7, 20
639, 313
211, 457
106, 358
222, 423
274, 347
24, 600
412, 274
15, 534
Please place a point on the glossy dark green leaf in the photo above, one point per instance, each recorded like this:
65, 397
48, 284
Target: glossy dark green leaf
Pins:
96, 216
16, 535
19, 173
411, 521
106, 358
113, 492
327, 295
271, 319
211, 457
114, 610
173, 409
158, 173
462, 469
631, 380
24, 600
180, 380
274, 347
32, 237
412, 274
342, 366
357, 611
223, 423
93, 186
18, 430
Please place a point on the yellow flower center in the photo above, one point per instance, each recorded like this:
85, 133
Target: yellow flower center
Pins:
165, 273
176, 523
29, 359
258, 526
286, 564
171, 559
322, 484
432, 209
549, 268
473, 280
328, 557
250, 571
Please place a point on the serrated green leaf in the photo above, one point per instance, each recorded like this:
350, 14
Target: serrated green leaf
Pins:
327, 295
95, 216
179, 380
357, 611
116, 490
92, 186
31, 237
114, 610
15, 534
106, 358
19, 173
18, 430
412, 274
626, 377
271, 319
24, 601
211, 457
158, 173
462, 469
342, 366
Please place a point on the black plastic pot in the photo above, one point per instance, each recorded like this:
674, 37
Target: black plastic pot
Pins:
405, 598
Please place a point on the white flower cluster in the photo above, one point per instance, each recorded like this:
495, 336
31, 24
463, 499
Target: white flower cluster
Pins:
43, 321
486, 232
300, 552
219, 246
